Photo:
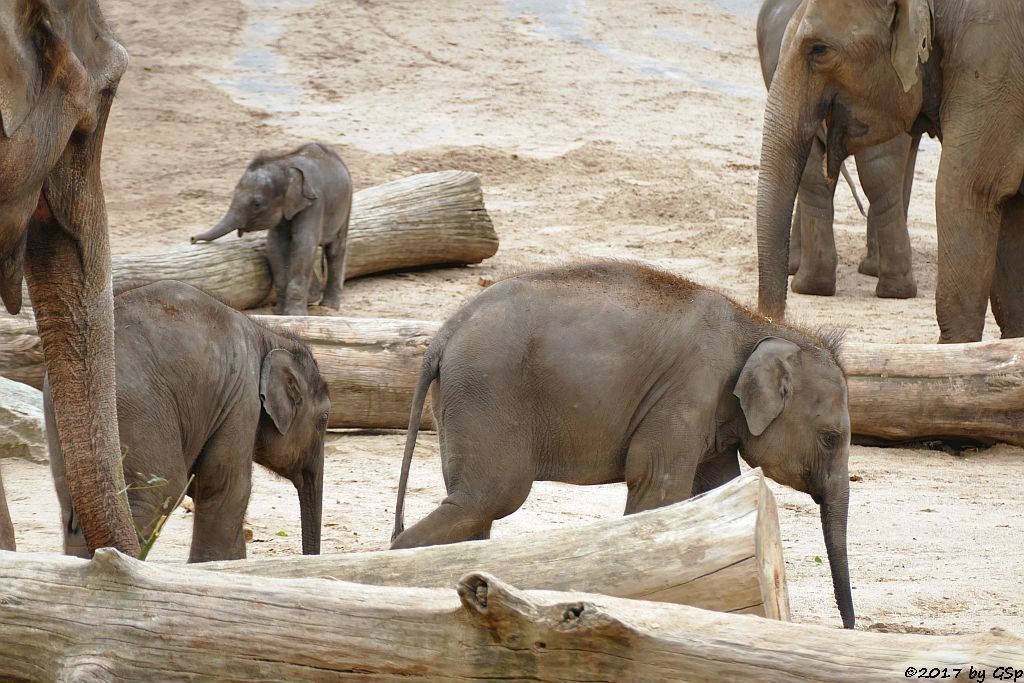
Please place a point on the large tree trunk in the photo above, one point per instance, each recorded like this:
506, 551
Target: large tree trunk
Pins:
718, 551
898, 392
116, 617
422, 220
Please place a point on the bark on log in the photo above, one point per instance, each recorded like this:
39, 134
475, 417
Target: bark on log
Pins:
719, 551
116, 617
898, 392
422, 220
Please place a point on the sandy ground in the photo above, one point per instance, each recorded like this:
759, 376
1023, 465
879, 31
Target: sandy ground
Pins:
599, 128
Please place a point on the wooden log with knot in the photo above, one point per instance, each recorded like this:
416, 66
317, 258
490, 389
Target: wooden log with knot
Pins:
116, 618
720, 551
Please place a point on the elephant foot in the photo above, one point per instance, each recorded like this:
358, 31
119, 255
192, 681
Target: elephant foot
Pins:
794, 262
278, 308
868, 266
896, 287
814, 285
332, 301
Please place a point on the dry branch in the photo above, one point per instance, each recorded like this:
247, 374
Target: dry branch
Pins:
116, 617
422, 220
719, 551
898, 392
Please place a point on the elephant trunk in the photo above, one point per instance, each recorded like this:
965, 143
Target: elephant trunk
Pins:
789, 130
834, 513
310, 487
226, 225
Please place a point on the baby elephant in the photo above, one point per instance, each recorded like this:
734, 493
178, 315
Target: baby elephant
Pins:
611, 371
204, 390
304, 199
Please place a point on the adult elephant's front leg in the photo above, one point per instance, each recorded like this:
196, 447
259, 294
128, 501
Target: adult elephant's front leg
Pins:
304, 241
881, 169
1008, 284
968, 232
818, 259
278, 246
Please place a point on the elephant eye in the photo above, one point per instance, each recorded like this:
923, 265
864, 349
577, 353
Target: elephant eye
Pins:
817, 50
829, 440
321, 422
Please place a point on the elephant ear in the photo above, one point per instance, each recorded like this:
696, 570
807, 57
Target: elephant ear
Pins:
280, 388
911, 39
20, 75
300, 193
765, 382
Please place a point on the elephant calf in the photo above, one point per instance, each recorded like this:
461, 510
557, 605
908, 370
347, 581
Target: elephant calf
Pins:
609, 371
304, 199
202, 389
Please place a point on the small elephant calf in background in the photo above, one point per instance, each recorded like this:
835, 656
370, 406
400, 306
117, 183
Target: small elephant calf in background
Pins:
304, 198
203, 389
611, 371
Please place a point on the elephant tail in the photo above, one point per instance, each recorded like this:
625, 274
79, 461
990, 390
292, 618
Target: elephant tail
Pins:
428, 373
853, 190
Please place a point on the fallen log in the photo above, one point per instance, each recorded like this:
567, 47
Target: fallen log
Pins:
898, 392
371, 365
719, 551
116, 617
422, 220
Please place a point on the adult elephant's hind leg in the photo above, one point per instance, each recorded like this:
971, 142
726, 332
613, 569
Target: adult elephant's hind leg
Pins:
1008, 284
881, 169
660, 463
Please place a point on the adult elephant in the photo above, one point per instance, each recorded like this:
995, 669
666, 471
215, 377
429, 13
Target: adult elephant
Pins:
59, 67
886, 174
873, 69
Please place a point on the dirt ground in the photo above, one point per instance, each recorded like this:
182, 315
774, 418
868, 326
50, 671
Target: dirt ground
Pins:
599, 128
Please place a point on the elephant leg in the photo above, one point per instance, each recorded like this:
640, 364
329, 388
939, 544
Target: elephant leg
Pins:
818, 260
277, 250
487, 476
794, 241
304, 241
1008, 284
222, 487
6, 527
881, 169
968, 232
715, 472
659, 469
336, 251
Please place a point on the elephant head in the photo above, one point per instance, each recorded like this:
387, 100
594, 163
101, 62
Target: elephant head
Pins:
794, 402
59, 68
272, 189
290, 441
854, 66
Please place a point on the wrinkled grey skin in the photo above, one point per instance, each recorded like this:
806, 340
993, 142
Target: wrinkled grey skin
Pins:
59, 68
887, 175
204, 390
874, 69
6, 527
304, 199
610, 372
